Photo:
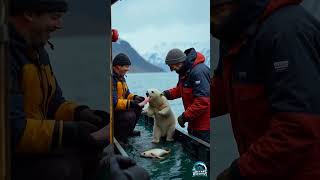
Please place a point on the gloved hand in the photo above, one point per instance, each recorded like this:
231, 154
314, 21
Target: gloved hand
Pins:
166, 94
105, 116
77, 133
95, 117
135, 105
124, 168
138, 98
181, 120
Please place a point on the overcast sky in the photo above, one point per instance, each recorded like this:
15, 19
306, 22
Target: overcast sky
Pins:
146, 23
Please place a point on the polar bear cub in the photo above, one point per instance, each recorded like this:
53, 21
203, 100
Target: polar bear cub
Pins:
164, 119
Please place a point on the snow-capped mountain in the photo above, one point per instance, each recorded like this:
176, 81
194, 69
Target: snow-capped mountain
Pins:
157, 54
139, 64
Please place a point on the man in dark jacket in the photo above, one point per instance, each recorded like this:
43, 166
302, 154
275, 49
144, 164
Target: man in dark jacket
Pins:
268, 79
193, 86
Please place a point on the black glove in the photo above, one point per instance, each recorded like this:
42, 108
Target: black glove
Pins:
97, 118
124, 168
135, 105
181, 120
105, 116
166, 94
138, 98
77, 134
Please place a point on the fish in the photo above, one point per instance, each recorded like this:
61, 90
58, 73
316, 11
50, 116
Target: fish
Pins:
155, 153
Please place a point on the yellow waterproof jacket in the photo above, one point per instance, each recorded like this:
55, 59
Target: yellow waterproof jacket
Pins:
121, 95
35, 98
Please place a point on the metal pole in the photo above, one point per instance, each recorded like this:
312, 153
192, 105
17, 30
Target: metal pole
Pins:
4, 128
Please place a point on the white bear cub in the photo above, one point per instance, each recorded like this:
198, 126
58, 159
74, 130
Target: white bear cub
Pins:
164, 119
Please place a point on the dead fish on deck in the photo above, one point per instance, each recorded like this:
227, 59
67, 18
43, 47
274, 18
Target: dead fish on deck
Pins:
155, 153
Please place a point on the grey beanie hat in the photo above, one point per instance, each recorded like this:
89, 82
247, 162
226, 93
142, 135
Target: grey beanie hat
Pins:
175, 56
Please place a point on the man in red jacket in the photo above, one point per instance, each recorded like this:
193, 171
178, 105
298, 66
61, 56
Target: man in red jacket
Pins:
193, 87
268, 79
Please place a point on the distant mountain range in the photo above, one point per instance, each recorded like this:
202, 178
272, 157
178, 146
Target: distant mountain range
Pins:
158, 53
154, 59
139, 64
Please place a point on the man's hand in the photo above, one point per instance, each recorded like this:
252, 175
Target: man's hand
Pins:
78, 133
137, 98
135, 105
181, 120
95, 117
225, 175
166, 94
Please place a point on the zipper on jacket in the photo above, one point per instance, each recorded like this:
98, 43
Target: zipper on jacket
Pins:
38, 65
49, 92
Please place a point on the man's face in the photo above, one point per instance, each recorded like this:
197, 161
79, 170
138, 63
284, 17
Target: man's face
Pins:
43, 25
220, 15
176, 67
121, 70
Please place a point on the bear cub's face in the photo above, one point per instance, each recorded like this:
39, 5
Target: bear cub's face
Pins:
153, 93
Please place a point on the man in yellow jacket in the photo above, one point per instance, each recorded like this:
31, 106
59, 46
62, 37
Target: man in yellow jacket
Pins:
51, 137
125, 104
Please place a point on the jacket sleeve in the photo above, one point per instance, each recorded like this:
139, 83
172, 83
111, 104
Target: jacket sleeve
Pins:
59, 108
129, 95
218, 95
174, 93
292, 83
28, 135
200, 82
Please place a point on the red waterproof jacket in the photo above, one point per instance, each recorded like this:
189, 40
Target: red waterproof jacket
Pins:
194, 88
270, 84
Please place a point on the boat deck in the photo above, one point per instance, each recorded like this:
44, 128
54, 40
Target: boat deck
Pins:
186, 150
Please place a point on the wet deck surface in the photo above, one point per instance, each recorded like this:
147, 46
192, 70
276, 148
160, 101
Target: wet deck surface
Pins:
177, 165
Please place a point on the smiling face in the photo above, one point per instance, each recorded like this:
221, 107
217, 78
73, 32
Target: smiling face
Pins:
121, 70
42, 26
